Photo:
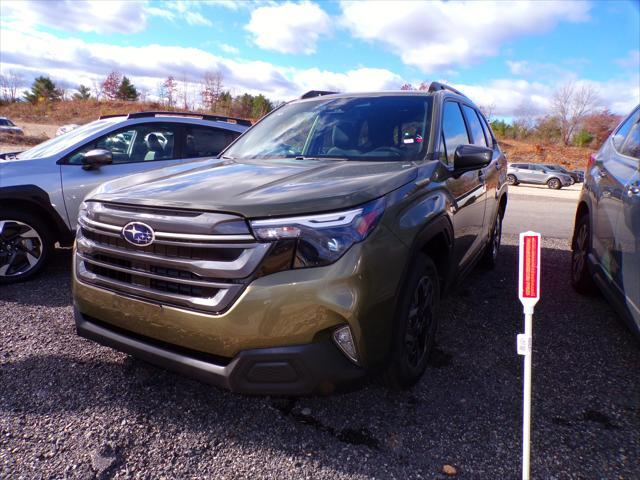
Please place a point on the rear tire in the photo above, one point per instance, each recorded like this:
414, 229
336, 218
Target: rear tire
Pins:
415, 326
26, 243
581, 279
554, 183
512, 180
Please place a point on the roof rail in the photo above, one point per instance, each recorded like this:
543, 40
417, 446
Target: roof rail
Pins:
436, 86
316, 93
213, 118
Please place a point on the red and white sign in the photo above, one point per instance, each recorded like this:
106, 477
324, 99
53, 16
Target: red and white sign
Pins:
529, 273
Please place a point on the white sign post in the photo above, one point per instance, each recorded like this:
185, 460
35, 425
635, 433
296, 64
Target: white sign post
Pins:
529, 294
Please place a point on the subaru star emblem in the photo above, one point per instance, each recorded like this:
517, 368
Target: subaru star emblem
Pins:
138, 234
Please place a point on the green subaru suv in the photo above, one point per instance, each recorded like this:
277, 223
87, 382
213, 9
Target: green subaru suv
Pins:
311, 254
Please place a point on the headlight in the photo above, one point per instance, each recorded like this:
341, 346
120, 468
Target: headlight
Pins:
316, 240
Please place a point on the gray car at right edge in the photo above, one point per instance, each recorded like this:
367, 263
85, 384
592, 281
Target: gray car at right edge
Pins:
606, 238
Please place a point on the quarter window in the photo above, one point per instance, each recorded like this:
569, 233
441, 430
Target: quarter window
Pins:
454, 129
475, 126
631, 146
622, 132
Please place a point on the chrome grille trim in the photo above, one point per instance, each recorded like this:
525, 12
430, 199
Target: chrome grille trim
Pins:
242, 267
100, 227
194, 270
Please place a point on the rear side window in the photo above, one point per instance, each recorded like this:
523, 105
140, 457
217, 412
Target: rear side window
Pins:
454, 129
206, 142
475, 126
622, 132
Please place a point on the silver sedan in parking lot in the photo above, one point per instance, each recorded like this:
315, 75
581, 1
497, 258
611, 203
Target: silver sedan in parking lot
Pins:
537, 174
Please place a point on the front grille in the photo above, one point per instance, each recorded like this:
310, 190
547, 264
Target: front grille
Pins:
186, 267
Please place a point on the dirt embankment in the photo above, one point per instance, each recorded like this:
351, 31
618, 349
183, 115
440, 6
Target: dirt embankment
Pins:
569, 157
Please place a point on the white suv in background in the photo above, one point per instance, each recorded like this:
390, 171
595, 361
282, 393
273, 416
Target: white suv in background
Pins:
41, 188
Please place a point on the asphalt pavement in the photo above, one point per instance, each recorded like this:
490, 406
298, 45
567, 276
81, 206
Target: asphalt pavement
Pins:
533, 209
70, 408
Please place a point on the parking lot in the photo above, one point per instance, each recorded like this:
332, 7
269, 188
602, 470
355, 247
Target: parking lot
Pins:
70, 408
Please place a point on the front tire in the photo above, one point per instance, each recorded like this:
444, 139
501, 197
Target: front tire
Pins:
581, 279
415, 326
554, 183
25, 245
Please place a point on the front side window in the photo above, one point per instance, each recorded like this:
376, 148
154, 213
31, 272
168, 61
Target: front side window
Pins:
475, 126
362, 128
57, 145
137, 143
5, 122
206, 141
454, 129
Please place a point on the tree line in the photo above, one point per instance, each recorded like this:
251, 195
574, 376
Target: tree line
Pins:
207, 95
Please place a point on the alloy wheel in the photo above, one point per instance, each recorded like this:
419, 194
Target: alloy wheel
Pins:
495, 239
419, 321
580, 251
21, 248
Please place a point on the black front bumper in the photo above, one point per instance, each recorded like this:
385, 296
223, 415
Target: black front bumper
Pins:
315, 368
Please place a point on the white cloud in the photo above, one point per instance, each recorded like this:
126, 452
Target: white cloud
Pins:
509, 97
225, 47
631, 61
73, 61
78, 15
289, 27
361, 79
437, 35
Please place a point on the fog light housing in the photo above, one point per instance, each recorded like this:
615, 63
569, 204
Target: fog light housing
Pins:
344, 340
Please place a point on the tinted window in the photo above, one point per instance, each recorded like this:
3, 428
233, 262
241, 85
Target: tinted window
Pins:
621, 133
454, 129
350, 128
475, 126
137, 143
631, 146
206, 142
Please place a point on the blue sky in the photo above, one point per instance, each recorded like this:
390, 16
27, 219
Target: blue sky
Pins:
510, 55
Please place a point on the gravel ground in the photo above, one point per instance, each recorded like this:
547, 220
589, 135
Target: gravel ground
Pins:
70, 408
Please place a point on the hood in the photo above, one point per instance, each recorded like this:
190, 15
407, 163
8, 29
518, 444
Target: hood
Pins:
260, 188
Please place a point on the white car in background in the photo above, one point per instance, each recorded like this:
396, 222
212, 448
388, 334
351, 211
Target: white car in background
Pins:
7, 126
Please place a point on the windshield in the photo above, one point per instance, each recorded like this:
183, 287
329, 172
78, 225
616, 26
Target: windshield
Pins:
353, 128
58, 144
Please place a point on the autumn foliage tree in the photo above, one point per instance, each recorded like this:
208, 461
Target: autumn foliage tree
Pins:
600, 124
111, 85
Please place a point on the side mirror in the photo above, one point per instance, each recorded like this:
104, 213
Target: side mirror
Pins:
471, 157
96, 158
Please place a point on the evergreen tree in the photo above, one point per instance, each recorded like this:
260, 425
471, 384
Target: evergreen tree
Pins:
43, 90
127, 91
84, 93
